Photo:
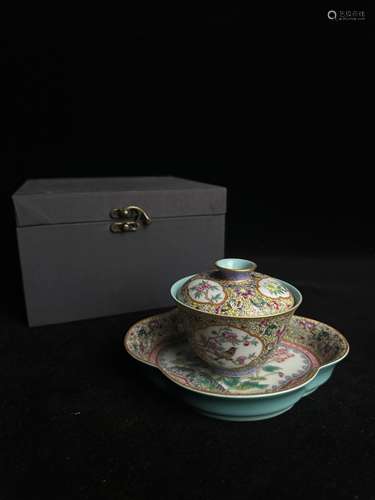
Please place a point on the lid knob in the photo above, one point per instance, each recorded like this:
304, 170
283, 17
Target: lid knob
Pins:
235, 269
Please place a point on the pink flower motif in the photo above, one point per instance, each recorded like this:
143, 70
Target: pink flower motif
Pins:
230, 336
246, 343
212, 343
241, 360
280, 332
282, 354
307, 325
203, 286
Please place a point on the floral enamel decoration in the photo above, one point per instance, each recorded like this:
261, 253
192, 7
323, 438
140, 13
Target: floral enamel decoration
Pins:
233, 343
257, 295
308, 346
145, 336
288, 365
229, 346
206, 292
233, 348
273, 289
234, 317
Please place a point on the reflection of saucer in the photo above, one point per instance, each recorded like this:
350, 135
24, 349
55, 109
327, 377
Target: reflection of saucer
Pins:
304, 360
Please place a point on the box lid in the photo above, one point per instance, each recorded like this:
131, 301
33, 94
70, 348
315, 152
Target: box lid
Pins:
61, 201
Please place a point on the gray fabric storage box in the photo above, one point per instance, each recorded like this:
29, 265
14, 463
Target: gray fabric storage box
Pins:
74, 267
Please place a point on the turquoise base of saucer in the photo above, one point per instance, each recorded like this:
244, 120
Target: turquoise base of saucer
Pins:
240, 409
235, 418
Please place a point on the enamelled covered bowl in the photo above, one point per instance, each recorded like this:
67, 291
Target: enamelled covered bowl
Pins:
234, 317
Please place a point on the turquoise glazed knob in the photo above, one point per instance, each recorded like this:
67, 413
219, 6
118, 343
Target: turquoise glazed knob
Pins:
235, 269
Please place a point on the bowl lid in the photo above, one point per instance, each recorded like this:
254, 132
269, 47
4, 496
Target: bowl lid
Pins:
233, 288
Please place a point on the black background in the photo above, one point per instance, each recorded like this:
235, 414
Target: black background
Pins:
270, 102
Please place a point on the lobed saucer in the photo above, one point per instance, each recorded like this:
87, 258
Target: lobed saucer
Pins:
305, 359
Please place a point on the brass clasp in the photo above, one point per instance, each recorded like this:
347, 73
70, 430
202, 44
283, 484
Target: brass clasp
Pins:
130, 217
124, 227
